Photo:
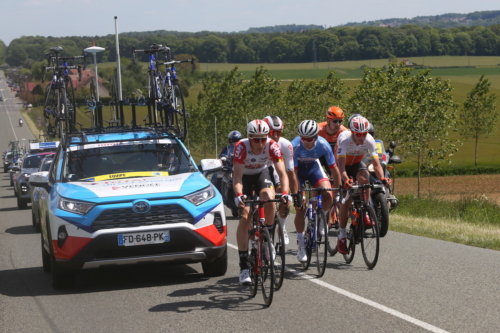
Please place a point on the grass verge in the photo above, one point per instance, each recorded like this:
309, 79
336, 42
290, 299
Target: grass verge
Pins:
472, 220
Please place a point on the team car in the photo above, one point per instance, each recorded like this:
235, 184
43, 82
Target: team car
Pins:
128, 198
22, 188
39, 194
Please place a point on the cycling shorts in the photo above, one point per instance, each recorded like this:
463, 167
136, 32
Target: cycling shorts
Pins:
313, 173
352, 170
255, 183
274, 176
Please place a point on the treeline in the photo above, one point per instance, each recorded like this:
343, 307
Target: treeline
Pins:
332, 44
450, 20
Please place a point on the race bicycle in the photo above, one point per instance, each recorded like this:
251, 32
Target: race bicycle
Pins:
59, 110
363, 227
261, 252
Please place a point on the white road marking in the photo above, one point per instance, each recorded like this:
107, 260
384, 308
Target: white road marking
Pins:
363, 300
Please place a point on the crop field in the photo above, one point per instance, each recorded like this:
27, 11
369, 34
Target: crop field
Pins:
452, 187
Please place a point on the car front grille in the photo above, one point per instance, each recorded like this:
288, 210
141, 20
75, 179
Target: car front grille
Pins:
127, 218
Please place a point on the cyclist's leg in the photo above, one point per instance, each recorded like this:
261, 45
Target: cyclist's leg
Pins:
242, 232
351, 171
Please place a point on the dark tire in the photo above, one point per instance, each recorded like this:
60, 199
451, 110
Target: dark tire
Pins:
308, 245
21, 203
36, 224
351, 244
251, 260
61, 278
70, 106
370, 241
218, 267
333, 231
45, 258
267, 268
279, 261
382, 213
321, 243
235, 212
179, 115
50, 110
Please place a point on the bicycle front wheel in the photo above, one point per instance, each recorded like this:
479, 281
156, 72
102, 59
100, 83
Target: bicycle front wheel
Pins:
370, 241
251, 262
267, 267
333, 229
308, 239
321, 242
279, 246
351, 244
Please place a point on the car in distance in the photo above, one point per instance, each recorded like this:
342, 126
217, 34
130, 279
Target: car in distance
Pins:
125, 198
22, 188
39, 193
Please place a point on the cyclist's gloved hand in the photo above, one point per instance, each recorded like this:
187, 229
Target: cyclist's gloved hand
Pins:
348, 183
287, 198
223, 158
238, 201
386, 181
297, 200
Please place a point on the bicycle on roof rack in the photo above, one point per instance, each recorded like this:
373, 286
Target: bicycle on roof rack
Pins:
59, 109
165, 100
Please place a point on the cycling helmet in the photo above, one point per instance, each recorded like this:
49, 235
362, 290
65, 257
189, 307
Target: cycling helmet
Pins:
308, 128
274, 122
334, 112
359, 124
350, 118
257, 127
371, 130
234, 136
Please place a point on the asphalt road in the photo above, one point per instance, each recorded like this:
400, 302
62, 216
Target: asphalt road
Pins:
418, 285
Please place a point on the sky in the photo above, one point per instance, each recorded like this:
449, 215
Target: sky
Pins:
59, 18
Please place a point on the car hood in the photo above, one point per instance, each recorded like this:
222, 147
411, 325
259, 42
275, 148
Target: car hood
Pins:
144, 187
29, 170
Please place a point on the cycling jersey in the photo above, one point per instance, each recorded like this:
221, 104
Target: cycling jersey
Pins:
352, 152
332, 139
255, 164
287, 151
303, 157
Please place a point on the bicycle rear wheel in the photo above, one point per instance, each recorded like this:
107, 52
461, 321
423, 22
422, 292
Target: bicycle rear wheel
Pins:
279, 247
370, 241
333, 229
178, 114
351, 244
267, 268
321, 242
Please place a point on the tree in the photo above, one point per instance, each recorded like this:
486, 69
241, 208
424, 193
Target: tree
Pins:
479, 114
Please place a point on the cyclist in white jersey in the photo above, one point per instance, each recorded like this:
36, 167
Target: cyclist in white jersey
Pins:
276, 127
251, 174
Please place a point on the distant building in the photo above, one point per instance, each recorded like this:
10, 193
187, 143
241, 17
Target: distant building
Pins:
408, 62
87, 74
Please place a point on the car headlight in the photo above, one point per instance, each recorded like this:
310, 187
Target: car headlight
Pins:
199, 197
26, 176
73, 206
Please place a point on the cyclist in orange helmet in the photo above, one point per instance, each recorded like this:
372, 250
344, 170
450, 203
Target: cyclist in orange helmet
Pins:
332, 127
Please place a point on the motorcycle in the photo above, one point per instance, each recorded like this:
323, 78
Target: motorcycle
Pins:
226, 185
382, 198
20, 123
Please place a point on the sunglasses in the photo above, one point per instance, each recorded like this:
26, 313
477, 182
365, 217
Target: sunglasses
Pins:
337, 121
308, 139
360, 134
273, 132
257, 140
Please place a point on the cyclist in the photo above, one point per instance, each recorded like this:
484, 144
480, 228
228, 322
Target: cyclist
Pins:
251, 173
307, 148
332, 127
351, 149
226, 152
276, 127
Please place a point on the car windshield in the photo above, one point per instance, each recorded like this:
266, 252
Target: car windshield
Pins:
32, 162
46, 164
149, 158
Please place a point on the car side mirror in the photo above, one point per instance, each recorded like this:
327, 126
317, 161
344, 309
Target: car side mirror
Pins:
15, 169
40, 179
395, 159
209, 166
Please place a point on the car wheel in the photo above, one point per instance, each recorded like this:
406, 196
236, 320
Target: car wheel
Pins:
21, 204
218, 267
61, 278
36, 224
45, 257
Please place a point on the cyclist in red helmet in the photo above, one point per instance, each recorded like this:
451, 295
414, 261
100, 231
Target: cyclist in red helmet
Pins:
352, 148
251, 174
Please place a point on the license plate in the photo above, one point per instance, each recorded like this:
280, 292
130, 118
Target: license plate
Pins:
144, 238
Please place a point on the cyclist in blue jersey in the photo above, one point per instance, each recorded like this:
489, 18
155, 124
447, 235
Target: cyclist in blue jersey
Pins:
308, 147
